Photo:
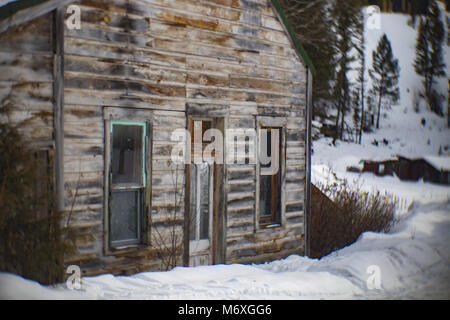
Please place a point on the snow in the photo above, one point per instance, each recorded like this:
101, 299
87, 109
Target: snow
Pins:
440, 163
413, 259
5, 2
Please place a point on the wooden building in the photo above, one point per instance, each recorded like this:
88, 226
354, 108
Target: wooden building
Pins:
433, 169
103, 95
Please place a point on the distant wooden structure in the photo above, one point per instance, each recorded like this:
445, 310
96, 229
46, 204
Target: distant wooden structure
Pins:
431, 169
105, 98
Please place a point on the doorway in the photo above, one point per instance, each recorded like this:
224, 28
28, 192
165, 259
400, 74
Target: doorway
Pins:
205, 201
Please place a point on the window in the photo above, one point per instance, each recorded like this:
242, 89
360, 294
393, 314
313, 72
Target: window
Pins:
127, 182
270, 176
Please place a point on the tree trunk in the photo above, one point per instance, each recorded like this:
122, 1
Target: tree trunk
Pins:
379, 108
336, 133
362, 115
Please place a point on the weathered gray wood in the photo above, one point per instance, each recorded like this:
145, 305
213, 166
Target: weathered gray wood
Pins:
31, 13
162, 61
59, 106
308, 165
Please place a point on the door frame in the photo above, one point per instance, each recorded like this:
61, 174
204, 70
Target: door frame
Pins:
218, 221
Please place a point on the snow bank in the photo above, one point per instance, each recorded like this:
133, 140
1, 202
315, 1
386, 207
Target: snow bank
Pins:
440, 163
413, 261
15, 287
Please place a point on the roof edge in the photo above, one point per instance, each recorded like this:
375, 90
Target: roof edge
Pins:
18, 12
15, 6
290, 30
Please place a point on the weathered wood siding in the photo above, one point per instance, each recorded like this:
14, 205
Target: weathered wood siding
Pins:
162, 55
26, 78
159, 60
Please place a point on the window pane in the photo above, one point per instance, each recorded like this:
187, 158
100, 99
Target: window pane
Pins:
270, 176
193, 203
265, 199
125, 212
127, 154
204, 200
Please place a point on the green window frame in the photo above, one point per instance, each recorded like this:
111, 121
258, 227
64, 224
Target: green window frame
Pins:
127, 182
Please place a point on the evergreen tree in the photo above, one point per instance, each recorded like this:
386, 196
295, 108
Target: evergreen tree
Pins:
312, 24
429, 62
423, 59
384, 73
361, 85
347, 16
357, 114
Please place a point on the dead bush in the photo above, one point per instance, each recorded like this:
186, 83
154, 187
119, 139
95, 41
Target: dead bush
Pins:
340, 214
33, 238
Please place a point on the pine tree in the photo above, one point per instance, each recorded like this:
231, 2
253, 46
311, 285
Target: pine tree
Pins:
312, 23
357, 114
437, 40
384, 73
361, 85
423, 60
429, 62
347, 16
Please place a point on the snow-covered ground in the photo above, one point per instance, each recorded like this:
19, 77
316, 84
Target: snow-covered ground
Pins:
412, 261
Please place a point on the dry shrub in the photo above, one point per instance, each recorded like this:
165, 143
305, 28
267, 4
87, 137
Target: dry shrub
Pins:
339, 222
33, 238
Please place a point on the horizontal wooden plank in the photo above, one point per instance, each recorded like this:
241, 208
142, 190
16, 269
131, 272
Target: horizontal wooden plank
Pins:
78, 130
32, 90
229, 67
26, 67
73, 147
125, 87
76, 66
33, 36
116, 98
225, 94
83, 163
263, 84
112, 18
77, 113
118, 52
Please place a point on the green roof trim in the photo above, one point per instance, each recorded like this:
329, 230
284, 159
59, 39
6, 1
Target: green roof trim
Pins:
291, 32
16, 6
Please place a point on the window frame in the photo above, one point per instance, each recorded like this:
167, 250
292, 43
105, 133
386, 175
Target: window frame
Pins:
281, 124
144, 188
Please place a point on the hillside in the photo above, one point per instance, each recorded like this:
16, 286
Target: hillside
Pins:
404, 130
